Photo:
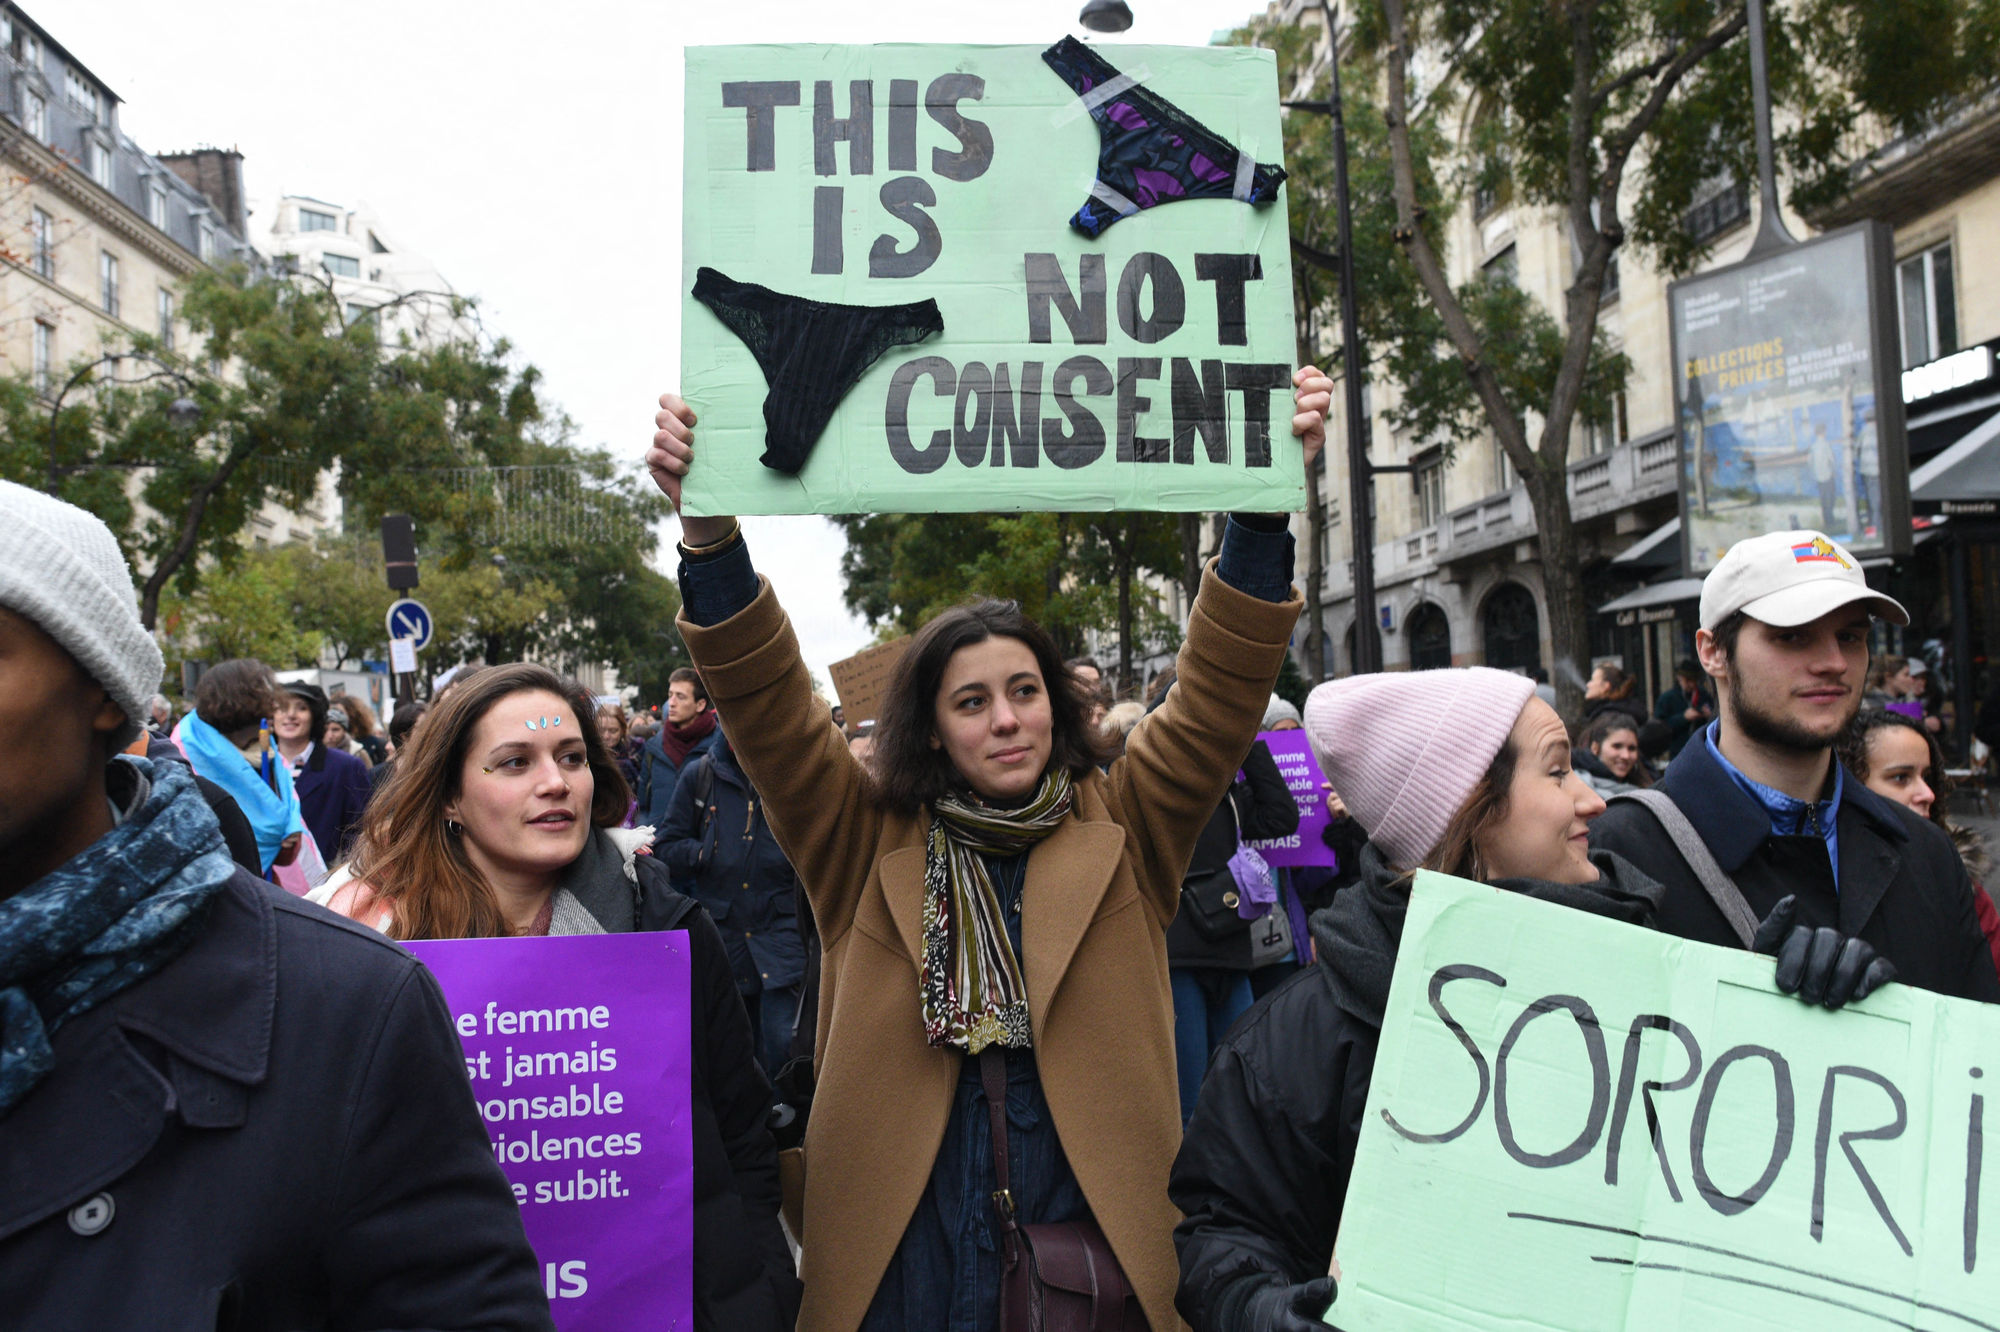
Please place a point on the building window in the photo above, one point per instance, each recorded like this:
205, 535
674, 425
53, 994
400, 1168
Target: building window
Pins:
43, 228
357, 312
107, 282
1719, 204
100, 160
37, 116
1504, 475
31, 52
78, 92
1928, 305
341, 265
166, 302
205, 243
1428, 478
1605, 436
45, 356
156, 205
313, 221
1504, 268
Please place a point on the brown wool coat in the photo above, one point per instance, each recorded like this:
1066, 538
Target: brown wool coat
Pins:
1098, 896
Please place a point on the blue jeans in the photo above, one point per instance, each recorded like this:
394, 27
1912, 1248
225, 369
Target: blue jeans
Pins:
945, 1273
771, 1015
1207, 1002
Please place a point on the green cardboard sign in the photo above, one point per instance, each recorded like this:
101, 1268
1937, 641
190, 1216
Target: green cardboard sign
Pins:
1810, 1169
1148, 367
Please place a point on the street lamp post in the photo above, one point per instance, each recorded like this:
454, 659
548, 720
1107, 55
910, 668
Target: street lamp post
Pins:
1361, 472
182, 411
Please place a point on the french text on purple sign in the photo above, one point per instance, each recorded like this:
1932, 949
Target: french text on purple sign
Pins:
577, 1049
1292, 752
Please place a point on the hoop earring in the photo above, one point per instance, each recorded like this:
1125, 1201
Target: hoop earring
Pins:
454, 827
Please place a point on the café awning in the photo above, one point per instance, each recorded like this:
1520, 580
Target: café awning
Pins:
1654, 594
1968, 470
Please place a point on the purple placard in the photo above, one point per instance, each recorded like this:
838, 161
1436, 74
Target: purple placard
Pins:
578, 1050
1300, 770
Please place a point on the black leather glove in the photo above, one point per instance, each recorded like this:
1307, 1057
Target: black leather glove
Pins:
1276, 1307
1820, 966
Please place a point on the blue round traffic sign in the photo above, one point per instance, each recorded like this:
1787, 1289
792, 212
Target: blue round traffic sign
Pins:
410, 619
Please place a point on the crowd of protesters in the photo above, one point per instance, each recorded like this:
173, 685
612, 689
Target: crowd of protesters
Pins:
974, 978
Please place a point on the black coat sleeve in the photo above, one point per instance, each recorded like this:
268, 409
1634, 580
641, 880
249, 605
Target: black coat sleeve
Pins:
236, 830
427, 1234
1267, 809
743, 1267
1979, 980
1263, 1167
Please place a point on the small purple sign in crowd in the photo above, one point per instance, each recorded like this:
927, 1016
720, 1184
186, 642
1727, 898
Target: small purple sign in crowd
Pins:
578, 1051
1300, 770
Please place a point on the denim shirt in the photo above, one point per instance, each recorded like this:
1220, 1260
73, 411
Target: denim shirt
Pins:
1790, 817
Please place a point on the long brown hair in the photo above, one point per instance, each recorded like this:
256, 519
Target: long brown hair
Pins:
1457, 851
908, 773
406, 856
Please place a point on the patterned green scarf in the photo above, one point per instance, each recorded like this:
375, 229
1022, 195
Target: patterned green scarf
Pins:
971, 986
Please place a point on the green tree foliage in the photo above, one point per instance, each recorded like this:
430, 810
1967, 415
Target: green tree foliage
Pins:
1071, 573
530, 545
1599, 111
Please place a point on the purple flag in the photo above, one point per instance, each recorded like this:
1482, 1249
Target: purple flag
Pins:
578, 1050
1301, 773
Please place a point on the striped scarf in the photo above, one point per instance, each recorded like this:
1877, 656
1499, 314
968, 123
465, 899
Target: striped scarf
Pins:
971, 987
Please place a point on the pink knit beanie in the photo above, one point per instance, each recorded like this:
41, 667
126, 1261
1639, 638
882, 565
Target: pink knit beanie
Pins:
1404, 749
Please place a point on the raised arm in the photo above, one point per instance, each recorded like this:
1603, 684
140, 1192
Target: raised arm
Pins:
1184, 754
815, 793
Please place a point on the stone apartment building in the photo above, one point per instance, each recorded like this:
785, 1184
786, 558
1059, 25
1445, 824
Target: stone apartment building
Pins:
98, 236
1458, 574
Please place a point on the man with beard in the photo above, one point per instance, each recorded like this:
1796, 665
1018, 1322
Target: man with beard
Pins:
687, 733
1817, 858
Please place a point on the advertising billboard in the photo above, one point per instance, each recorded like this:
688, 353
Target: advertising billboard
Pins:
1788, 399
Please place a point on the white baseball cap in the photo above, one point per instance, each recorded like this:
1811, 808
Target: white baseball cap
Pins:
1787, 579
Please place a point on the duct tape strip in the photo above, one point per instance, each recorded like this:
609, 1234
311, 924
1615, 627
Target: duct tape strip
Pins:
1098, 96
1112, 199
1246, 170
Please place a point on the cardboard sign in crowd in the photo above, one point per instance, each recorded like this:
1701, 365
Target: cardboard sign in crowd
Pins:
987, 278
1580, 1124
578, 1050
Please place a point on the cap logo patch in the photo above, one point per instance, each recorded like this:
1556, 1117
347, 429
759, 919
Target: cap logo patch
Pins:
1818, 551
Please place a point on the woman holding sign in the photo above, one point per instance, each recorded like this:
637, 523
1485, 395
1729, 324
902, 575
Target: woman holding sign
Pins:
503, 819
1464, 772
993, 909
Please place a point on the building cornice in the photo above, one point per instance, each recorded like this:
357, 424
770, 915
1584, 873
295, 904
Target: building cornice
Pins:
50, 168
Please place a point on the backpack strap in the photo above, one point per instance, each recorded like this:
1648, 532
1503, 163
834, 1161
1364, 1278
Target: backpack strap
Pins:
1722, 890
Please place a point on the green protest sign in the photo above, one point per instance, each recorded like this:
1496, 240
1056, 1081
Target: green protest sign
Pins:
983, 278
1579, 1124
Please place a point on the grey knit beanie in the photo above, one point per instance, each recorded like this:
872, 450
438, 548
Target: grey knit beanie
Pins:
61, 568
1280, 710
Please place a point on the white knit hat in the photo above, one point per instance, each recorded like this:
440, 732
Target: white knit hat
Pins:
61, 568
1404, 749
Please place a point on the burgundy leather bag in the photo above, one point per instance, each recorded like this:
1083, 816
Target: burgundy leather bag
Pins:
1061, 1277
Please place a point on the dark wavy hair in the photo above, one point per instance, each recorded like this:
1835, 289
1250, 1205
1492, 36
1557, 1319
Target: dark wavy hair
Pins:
908, 773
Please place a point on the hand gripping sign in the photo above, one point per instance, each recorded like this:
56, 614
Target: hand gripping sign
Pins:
986, 278
578, 1052
1580, 1124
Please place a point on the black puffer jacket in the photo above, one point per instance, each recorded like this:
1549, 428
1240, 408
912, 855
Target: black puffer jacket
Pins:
1262, 806
1263, 1168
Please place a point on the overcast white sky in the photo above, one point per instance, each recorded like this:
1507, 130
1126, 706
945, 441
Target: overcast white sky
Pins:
533, 154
